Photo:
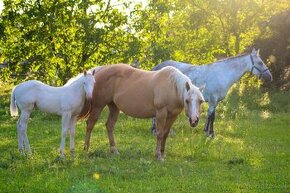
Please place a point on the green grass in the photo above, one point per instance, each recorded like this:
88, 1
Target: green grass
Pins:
251, 153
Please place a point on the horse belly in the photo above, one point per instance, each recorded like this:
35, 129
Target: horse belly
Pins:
48, 103
135, 105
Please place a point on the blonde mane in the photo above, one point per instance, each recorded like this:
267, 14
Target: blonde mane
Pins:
179, 79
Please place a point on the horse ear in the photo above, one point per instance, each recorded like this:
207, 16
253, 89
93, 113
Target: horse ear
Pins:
93, 72
187, 86
202, 88
258, 52
85, 72
253, 51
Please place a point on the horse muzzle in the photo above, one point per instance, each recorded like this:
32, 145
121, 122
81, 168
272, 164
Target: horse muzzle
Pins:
89, 97
193, 123
267, 76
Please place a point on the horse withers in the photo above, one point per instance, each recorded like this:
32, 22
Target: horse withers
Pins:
66, 101
218, 78
142, 94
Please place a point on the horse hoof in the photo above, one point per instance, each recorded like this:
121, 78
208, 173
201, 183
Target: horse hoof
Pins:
211, 135
160, 159
172, 133
153, 131
114, 150
72, 153
22, 152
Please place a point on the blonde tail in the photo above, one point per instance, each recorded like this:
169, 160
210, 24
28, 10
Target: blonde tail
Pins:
13, 107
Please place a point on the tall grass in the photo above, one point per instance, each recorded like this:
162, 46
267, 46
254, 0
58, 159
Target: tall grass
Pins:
251, 152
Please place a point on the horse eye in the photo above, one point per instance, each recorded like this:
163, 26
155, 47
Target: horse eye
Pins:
261, 63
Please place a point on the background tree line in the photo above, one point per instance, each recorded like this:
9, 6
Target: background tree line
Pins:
55, 40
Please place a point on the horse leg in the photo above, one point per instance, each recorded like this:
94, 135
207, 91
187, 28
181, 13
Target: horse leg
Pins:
65, 122
91, 121
208, 129
168, 124
161, 120
205, 129
153, 127
211, 130
72, 134
110, 124
22, 132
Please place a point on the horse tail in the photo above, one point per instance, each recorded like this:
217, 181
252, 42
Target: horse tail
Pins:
13, 107
86, 110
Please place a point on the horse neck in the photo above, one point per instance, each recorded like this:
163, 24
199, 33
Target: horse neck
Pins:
76, 86
180, 85
234, 68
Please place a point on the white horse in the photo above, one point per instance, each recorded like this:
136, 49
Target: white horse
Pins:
66, 101
218, 78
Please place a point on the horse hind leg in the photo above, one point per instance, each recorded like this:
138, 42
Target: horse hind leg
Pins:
208, 129
211, 130
153, 127
110, 124
91, 121
22, 132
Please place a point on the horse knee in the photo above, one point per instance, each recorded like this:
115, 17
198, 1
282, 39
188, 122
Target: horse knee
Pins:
72, 132
109, 125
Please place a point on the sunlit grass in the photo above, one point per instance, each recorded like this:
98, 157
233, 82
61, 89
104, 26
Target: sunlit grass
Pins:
251, 153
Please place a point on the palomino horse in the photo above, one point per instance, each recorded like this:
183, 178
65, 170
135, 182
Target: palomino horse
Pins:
66, 101
218, 77
142, 94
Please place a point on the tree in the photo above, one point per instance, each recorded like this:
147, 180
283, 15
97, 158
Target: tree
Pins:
54, 40
275, 49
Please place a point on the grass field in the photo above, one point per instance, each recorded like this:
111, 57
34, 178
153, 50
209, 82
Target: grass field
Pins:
251, 153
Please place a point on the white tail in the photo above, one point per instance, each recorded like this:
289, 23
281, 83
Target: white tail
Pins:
13, 107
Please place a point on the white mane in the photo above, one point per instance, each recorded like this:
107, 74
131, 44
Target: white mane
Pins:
73, 79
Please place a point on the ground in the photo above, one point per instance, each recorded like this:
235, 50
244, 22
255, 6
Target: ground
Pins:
250, 153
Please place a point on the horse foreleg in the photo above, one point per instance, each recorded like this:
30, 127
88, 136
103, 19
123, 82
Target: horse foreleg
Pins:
65, 122
168, 124
161, 120
91, 121
110, 124
72, 134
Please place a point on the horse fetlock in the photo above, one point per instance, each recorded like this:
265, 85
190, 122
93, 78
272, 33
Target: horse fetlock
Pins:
211, 135
72, 152
114, 150
61, 153
86, 147
159, 157
22, 152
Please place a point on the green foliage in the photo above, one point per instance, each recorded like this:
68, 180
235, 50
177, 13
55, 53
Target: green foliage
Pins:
54, 40
275, 49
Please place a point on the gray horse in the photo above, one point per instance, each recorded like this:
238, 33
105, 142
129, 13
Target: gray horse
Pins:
218, 78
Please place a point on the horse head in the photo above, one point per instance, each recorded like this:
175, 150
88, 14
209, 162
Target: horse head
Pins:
88, 83
192, 103
258, 66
